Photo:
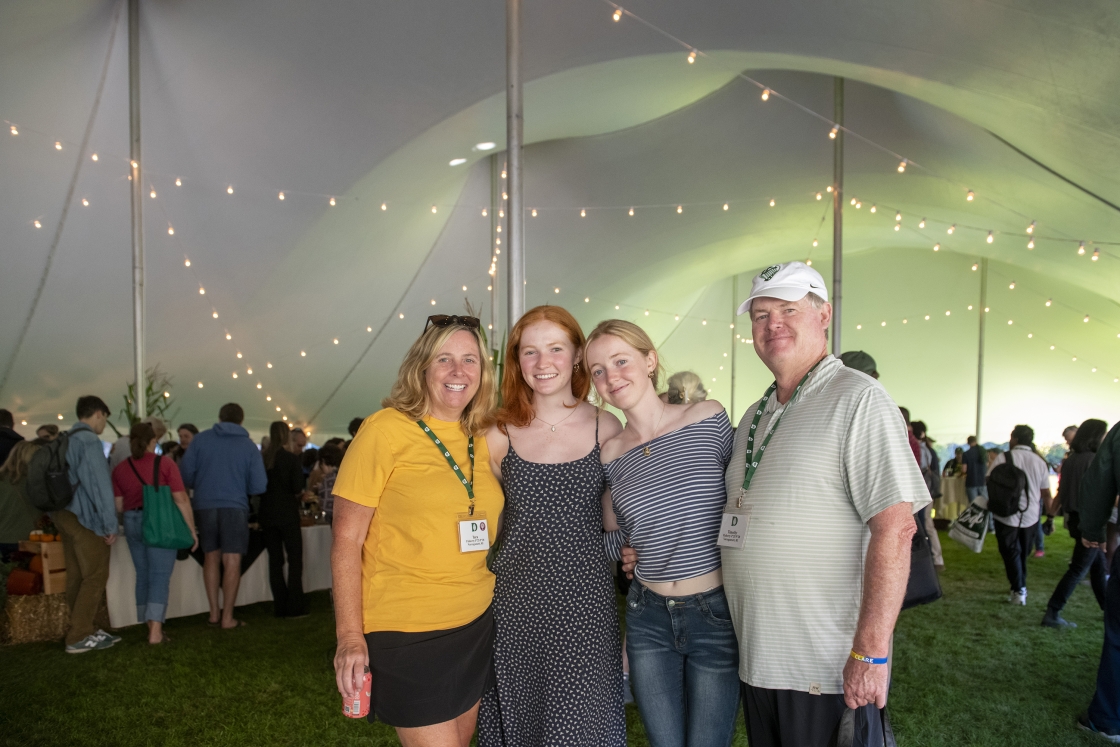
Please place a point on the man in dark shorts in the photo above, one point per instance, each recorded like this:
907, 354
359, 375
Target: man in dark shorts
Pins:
223, 467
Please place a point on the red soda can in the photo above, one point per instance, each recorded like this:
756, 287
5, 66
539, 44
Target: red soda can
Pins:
358, 706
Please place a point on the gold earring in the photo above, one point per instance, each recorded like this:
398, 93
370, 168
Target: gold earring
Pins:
575, 367
652, 374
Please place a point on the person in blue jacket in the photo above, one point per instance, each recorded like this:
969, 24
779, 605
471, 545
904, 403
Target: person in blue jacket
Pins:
224, 468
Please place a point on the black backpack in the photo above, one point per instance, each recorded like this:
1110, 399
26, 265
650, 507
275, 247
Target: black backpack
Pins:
48, 476
1006, 485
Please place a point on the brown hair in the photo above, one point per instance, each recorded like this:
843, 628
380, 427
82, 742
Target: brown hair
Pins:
278, 437
517, 395
409, 394
632, 335
139, 436
15, 466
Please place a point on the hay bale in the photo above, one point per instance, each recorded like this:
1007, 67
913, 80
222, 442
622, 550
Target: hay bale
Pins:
42, 617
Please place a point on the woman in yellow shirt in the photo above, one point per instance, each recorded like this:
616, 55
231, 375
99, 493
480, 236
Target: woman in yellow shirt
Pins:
413, 519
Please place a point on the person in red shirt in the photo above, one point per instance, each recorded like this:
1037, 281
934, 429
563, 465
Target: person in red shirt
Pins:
153, 564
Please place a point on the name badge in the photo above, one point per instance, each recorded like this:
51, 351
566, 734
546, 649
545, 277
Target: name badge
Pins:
474, 534
733, 530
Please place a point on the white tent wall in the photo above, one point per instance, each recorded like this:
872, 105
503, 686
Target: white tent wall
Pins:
368, 102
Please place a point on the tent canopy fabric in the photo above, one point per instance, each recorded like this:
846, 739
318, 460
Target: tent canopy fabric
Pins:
367, 103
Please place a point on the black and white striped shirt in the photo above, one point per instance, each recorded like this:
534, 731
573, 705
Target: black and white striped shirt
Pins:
669, 504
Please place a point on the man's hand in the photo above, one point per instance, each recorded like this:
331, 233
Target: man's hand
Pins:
1087, 543
629, 560
865, 683
110, 539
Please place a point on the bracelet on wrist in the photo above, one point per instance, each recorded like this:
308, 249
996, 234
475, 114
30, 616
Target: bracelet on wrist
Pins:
868, 659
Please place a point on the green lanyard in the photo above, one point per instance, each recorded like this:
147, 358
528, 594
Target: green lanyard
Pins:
752, 463
468, 484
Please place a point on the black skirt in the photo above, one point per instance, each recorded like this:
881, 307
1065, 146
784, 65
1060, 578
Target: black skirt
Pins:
420, 679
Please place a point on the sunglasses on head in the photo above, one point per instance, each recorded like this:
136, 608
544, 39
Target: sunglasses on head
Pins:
448, 320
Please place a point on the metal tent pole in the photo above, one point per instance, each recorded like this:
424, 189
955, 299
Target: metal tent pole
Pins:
980, 345
515, 221
837, 211
734, 347
137, 204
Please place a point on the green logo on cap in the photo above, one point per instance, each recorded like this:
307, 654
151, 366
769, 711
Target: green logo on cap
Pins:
770, 272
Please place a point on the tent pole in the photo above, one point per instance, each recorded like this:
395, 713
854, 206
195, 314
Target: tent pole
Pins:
495, 203
837, 211
137, 204
734, 347
980, 346
515, 249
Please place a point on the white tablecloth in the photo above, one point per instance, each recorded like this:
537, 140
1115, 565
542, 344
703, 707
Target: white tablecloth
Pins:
188, 592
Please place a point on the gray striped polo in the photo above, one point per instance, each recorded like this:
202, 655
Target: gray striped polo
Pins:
839, 456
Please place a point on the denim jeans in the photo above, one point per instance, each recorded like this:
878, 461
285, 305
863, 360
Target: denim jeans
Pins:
978, 490
1085, 561
684, 667
1104, 711
153, 570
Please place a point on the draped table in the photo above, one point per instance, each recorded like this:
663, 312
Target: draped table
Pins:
953, 500
188, 592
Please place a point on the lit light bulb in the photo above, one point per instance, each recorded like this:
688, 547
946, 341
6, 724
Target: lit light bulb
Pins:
1011, 286
1086, 319
676, 317
631, 212
874, 208
1030, 244
815, 242
902, 166
433, 302
970, 307
833, 131
258, 385
489, 287
898, 216
229, 190
975, 267
152, 194
1096, 255
882, 324
456, 162
692, 57
201, 291
303, 354
268, 398
501, 213
200, 385
85, 202
726, 206
616, 307
991, 238
859, 326
15, 131
819, 195
898, 226
57, 145
186, 262
505, 196
1009, 321
23, 422
278, 408
1030, 228
332, 202
904, 321
285, 417
704, 322
268, 365
858, 204
970, 195
215, 315
534, 214
937, 247
765, 94
503, 173
485, 212
947, 312
235, 374
1049, 301
587, 300
37, 223
280, 196
400, 316
922, 223
647, 312
93, 157
828, 189
852, 201
178, 182
555, 290
951, 229
384, 206
1030, 335
249, 371
229, 336
464, 288
135, 165
680, 209
772, 203
433, 208
336, 341
927, 317
170, 231
583, 213
617, 15
239, 354
809, 262
1081, 247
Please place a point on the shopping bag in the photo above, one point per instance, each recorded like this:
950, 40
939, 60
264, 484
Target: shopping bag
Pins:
971, 526
164, 525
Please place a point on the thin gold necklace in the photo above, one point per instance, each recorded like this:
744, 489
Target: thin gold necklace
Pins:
645, 451
561, 420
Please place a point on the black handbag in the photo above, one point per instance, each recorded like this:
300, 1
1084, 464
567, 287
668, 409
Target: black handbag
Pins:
846, 733
923, 585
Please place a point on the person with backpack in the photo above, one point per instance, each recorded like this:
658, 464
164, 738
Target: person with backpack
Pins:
88, 523
1017, 480
154, 565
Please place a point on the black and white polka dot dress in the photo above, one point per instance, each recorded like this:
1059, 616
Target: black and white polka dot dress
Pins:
557, 652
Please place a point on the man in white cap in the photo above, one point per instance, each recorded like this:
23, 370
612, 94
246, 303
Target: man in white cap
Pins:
821, 490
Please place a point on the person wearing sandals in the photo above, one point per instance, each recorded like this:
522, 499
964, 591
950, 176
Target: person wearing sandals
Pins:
153, 564
557, 650
665, 470
414, 517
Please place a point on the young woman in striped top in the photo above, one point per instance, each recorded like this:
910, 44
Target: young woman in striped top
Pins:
665, 471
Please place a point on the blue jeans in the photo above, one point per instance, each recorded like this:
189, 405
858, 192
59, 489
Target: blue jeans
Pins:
1104, 711
153, 570
978, 490
684, 667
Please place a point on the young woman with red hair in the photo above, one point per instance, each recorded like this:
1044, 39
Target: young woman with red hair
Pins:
557, 652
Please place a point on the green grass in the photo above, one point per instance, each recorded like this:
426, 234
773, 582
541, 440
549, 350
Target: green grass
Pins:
970, 670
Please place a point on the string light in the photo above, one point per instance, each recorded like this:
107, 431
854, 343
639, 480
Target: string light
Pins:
268, 398
37, 223
927, 317
937, 247
617, 15
93, 157
384, 206
152, 194
239, 354
898, 226
457, 162
922, 223
772, 203
534, 214
898, 217
692, 57
85, 202
555, 290
235, 374
249, 371
874, 208
135, 165
215, 315
1086, 319
280, 196
828, 189
765, 94
178, 182
268, 365
902, 166
336, 341
680, 209
484, 212
990, 238
464, 288
882, 324
583, 213
15, 131
587, 300
833, 131
704, 322
809, 262
815, 242
859, 326
1030, 244
57, 145
433, 208
170, 230
970, 195
975, 267
819, 195
186, 262
647, 312
1081, 248
258, 385
303, 354
1096, 255
229, 190
631, 212
858, 204
433, 302
229, 336
725, 206
951, 229
676, 317
1012, 286
200, 385
1030, 228
332, 202
616, 307
400, 316
201, 291
1049, 301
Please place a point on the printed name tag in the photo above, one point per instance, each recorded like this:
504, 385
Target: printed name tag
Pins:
733, 530
474, 535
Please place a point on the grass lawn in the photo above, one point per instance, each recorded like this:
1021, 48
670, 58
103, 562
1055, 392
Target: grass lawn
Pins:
970, 670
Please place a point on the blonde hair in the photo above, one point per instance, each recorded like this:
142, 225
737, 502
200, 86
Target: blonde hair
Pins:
685, 387
632, 335
15, 467
409, 394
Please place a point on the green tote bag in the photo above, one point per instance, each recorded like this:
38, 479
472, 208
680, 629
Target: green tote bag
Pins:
163, 522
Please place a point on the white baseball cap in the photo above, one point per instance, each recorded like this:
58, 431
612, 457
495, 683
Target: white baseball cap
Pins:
791, 281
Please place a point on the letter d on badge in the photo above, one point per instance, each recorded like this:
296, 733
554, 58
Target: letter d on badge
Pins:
733, 530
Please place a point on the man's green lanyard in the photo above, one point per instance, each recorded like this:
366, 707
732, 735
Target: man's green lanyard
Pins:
468, 484
752, 462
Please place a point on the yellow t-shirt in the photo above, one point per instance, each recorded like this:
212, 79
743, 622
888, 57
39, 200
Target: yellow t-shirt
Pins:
414, 578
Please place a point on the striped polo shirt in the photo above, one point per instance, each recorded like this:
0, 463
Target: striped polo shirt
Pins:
839, 457
669, 504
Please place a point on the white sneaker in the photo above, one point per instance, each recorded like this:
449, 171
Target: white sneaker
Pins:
1018, 597
91, 642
